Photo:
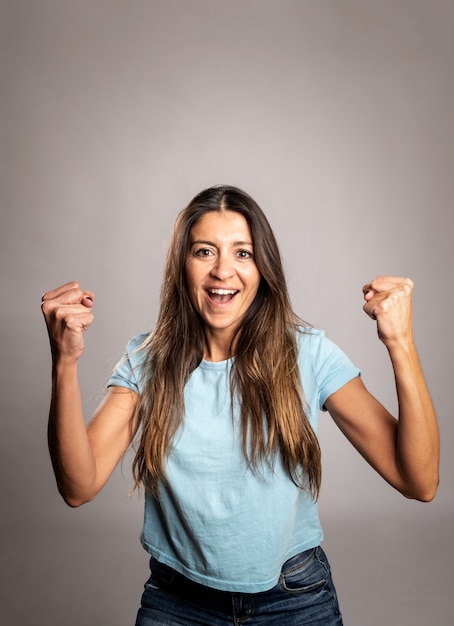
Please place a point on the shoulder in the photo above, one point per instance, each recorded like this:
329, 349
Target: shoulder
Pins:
137, 350
310, 339
317, 351
138, 343
128, 371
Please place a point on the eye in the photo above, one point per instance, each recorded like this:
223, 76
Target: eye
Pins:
202, 252
245, 254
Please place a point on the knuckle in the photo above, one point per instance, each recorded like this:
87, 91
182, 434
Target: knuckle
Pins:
71, 321
404, 290
59, 313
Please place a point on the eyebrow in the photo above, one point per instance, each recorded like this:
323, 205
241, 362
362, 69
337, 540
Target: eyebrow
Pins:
211, 243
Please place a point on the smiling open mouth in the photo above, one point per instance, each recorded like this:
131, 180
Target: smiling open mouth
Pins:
221, 295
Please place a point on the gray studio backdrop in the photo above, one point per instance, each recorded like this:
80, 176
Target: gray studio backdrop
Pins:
337, 115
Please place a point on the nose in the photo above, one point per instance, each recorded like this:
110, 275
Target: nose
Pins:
222, 268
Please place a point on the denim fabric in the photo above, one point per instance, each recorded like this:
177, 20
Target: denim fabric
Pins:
304, 596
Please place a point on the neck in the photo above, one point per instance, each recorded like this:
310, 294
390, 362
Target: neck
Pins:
218, 346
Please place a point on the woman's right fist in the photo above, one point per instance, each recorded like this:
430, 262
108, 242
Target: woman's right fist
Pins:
67, 311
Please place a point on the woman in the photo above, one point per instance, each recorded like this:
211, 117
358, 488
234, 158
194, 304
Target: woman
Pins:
224, 397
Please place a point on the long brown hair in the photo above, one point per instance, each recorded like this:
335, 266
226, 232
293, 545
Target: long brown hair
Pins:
264, 373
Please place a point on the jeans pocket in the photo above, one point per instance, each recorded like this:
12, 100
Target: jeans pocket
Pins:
303, 573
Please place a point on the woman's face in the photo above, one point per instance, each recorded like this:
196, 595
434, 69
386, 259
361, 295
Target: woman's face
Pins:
221, 273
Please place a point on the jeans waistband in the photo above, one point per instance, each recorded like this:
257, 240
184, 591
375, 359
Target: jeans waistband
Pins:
176, 583
227, 602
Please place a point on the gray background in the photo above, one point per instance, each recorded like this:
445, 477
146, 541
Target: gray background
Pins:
338, 117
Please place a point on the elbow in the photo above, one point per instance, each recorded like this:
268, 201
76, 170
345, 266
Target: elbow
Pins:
74, 503
75, 500
428, 495
424, 493
420, 497
427, 498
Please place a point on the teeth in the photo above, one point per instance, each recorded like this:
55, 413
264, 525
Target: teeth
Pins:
223, 292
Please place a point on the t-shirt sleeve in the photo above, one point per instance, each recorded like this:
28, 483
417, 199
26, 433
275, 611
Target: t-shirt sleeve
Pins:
128, 371
332, 367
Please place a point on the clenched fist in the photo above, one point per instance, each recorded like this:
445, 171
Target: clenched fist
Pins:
68, 313
389, 302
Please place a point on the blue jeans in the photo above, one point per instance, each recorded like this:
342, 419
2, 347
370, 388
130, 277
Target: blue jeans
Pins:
304, 596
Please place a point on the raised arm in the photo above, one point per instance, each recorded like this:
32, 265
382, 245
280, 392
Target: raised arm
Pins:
405, 451
82, 457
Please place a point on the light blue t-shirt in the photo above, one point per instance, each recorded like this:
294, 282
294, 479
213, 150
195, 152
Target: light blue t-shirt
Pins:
217, 522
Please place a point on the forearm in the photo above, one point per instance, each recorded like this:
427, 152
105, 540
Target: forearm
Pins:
69, 446
417, 442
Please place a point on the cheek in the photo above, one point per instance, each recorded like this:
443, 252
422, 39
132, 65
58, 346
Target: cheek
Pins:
256, 279
192, 283
190, 279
